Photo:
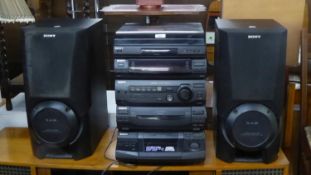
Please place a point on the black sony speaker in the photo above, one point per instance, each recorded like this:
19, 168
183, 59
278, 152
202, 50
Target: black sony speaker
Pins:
249, 83
64, 73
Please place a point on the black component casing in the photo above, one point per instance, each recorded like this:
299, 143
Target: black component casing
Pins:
165, 51
249, 81
160, 92
170, 39
64, 75
130, 118
161, 147
160, 89
177, 68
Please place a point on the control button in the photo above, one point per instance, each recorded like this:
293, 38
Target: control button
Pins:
185, 93
202, 120
122, 118
169, 98
199, 96
120, 64
132, 89
170, 89
197, 118
194, 146
199, 112
118, 49
159, 88
187, 135
122, 110
198, 85
198, 63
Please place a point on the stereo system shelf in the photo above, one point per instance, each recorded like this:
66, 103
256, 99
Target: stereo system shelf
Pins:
16, 155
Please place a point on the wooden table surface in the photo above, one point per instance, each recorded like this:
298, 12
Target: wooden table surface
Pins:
166, 9
15, 149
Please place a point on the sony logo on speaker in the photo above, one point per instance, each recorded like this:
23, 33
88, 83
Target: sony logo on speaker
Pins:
254, 36
49, 35
51, 120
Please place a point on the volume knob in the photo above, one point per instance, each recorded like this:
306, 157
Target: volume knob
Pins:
185, 94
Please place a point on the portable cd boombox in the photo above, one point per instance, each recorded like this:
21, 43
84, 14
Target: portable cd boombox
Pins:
160, 92
161, 147
161, 118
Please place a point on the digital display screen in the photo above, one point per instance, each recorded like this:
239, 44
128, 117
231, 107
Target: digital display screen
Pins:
165, 146
159, 66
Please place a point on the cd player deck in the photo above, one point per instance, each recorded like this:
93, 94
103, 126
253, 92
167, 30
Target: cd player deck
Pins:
171, 39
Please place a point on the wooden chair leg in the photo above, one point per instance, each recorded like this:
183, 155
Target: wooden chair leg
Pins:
8, 104
5, 86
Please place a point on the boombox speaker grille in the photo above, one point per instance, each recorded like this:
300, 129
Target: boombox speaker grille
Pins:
254, 172
15, 170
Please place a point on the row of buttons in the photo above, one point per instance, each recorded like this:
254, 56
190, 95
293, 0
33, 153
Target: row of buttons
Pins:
198, 119
127, 146
199, 96
192, 51
152, 89
198, 112
199, 64
122, 119
123, 65
198, 85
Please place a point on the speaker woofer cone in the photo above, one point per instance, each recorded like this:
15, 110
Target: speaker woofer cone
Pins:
250, 127
54, 123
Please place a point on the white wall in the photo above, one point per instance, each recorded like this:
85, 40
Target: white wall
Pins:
17, 117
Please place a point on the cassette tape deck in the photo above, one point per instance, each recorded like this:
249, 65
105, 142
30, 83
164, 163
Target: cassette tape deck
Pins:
131, 118
160, 68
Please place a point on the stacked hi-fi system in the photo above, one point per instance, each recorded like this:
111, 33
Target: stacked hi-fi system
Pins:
160, 93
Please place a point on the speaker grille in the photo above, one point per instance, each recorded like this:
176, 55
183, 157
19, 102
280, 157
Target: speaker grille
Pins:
254, 172
14, 170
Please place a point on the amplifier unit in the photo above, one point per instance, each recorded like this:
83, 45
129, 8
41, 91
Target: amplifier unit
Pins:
160, 92
161, 118
161, 147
